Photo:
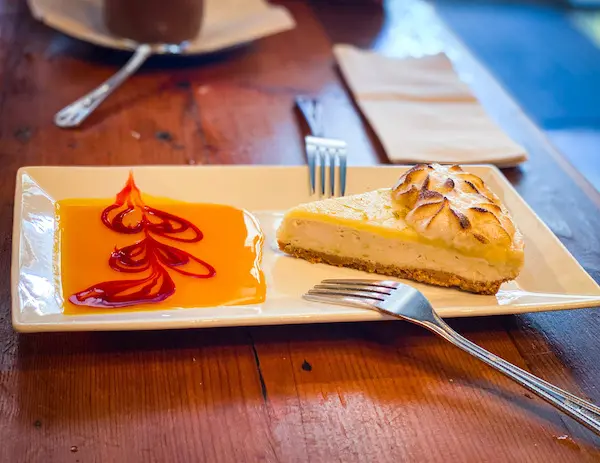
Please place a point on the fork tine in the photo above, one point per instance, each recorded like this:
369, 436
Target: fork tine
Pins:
342, 161
373, 283
349, 293
311, 155
332, 157
322, 158
340, 300
371, 289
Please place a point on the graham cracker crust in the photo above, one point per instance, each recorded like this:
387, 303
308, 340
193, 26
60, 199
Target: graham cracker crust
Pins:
432, 277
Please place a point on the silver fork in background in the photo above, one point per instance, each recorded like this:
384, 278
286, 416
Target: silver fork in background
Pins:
75, 113
327, 151
407, 303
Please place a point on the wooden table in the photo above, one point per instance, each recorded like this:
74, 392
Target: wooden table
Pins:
322, 393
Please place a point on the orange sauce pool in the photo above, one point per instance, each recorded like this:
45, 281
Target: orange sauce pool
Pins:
231, 244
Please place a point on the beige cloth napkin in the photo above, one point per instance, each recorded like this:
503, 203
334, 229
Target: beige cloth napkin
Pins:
422, 112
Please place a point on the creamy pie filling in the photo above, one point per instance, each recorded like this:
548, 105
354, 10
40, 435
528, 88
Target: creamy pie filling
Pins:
335, 239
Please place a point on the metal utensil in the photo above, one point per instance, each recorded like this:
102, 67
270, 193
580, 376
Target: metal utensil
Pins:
407, 303
75, 113
328, 151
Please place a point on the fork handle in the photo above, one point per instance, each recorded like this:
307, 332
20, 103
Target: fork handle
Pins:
580, 410
312, 110
75, 113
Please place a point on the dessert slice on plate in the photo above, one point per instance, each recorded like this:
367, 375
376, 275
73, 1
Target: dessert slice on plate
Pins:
438, 225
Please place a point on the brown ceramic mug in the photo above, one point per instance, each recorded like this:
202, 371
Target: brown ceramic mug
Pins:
154, 21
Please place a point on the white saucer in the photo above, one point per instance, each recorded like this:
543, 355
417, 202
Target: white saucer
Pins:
227, 23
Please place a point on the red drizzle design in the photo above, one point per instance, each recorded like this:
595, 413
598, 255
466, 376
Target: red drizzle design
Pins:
146, 255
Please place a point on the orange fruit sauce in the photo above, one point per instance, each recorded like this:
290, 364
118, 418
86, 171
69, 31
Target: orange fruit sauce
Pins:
143, 253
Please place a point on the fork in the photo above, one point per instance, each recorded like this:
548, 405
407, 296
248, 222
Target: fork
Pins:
407, 303
326, 150
74, 114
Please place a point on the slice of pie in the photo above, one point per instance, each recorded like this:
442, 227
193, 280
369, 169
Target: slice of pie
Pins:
438, 225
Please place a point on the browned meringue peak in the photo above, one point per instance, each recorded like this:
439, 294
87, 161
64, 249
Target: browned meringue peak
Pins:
445, 202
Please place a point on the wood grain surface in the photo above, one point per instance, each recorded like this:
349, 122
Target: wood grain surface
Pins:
359, 392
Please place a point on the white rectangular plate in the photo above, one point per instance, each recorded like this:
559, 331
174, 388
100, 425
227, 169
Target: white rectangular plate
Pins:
551, 279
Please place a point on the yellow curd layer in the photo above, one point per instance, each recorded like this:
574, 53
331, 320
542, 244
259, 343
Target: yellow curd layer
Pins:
375, 212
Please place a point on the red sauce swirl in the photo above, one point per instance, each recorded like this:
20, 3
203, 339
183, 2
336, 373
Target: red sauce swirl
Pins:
129, 215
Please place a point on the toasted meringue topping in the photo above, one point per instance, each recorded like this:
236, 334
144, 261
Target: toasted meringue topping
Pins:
449, 204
